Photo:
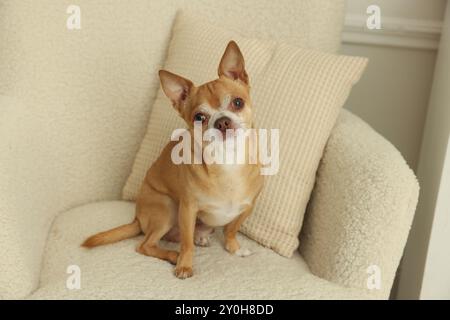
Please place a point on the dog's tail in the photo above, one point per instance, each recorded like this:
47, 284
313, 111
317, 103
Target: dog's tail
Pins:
114, 235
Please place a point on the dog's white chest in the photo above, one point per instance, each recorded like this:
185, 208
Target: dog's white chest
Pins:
217, 213
227, 199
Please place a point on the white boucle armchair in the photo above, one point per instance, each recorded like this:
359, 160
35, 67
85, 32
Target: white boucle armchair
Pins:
73, 109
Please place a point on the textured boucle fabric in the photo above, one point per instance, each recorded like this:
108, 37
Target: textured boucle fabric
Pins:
361, 209
296, 91
117, 272
77, 102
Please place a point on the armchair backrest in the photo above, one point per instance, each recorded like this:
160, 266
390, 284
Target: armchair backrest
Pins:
94, 87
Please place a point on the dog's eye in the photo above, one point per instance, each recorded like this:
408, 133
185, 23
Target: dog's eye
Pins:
238, 103
200, 117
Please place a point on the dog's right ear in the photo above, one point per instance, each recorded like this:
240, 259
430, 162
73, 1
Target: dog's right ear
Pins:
176, 88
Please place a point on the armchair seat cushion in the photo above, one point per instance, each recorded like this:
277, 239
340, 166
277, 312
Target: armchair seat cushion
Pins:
116, 271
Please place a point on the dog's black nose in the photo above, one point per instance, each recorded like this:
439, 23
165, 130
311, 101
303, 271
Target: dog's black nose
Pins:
223, 124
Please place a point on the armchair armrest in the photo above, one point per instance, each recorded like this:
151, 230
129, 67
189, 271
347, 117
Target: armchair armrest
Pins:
49, 162
21, 234
361, 209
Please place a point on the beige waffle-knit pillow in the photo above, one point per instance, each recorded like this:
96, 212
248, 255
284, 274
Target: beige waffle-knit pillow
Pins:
296, 90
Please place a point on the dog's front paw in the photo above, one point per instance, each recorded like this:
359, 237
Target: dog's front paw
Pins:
243, 252
183, 272
232, 245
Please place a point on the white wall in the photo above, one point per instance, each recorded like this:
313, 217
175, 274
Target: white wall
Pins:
436, 277
427, 252
393, 94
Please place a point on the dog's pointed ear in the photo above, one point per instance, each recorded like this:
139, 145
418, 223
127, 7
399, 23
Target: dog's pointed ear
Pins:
232, 64
175, 87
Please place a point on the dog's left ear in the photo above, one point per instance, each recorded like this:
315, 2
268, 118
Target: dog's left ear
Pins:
232, 64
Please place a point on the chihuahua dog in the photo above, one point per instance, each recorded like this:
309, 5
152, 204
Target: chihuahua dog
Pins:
184, 202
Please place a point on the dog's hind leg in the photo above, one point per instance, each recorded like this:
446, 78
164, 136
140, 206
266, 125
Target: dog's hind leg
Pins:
149, 247
157, 214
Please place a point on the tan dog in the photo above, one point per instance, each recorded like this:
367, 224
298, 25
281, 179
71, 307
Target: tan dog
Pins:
185, 202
